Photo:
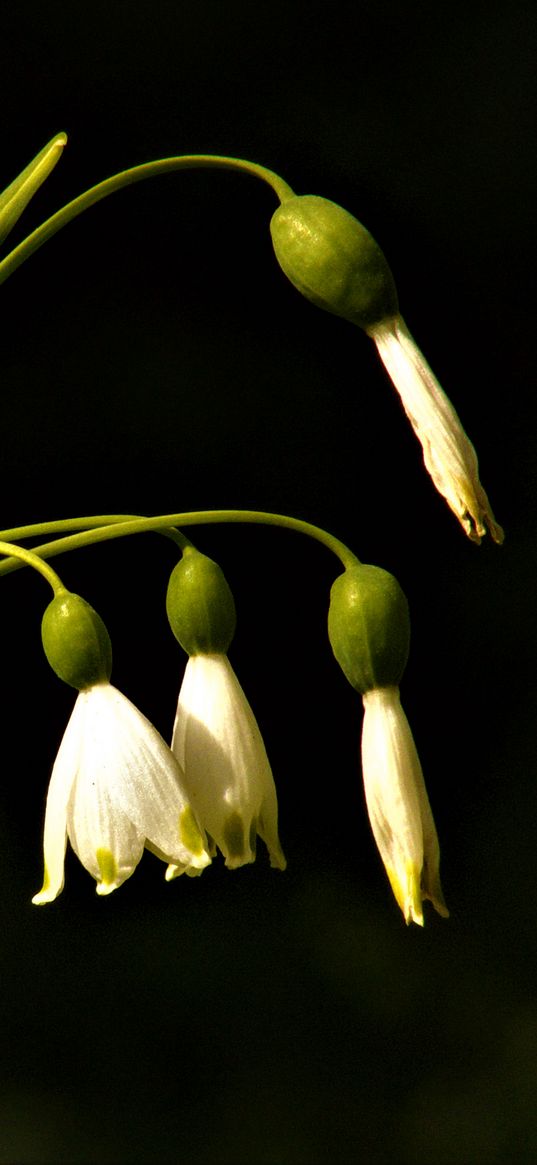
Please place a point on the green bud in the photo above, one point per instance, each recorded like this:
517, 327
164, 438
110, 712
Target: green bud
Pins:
333, 260
76, 642
200, 605
369, 627
17, 195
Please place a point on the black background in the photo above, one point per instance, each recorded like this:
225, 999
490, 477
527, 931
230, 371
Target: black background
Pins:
155, 359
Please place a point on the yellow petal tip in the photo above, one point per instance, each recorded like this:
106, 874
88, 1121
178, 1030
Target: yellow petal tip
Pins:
42, 898
104, 888
407, 893
108, 870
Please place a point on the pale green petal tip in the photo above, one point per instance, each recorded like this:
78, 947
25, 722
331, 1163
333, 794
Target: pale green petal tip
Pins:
278, 860
407, 892
43, 897
431, 887
189, 832
47, 893
432, 891
108, 870
104, 888
235, 863
236, 842
193, 870
415, 887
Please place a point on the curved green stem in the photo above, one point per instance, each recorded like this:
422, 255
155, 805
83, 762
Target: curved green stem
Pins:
127, 178
120, 529
63, 525
30, 558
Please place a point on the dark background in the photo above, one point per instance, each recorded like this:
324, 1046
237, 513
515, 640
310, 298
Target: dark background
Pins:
155, 359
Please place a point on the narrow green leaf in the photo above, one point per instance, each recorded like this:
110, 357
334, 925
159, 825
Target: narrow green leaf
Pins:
17, 195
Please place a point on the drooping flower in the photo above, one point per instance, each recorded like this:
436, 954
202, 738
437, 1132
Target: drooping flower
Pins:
116, 788
217, 742
398, 806
369, 629
216, 738
332, 259
448, 453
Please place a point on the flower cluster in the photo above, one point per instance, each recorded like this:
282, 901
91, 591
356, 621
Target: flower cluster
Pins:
117, 787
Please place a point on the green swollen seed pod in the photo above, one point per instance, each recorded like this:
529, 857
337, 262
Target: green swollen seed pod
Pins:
369, 627
333, 260
200, 605
76, 642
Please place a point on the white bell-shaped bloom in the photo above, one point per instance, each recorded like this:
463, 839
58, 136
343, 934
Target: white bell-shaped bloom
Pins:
448, 453
218, 744
399, 810
115, 788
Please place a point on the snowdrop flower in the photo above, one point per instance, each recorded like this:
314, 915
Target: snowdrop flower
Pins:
333, 260
369, 629
448, 453
227, 773
216, 738
116, 788
398, 806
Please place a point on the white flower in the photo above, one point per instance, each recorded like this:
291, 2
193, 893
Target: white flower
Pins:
227, 773
399, 810
448, 453
115, 788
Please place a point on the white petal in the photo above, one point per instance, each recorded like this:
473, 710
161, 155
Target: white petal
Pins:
431, 887
102, 836
267, 825
447, 451
59, 791
392, 770
227, 773
142, 778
